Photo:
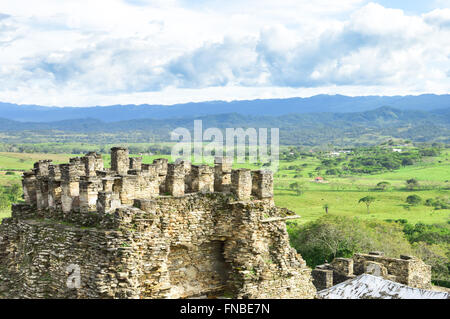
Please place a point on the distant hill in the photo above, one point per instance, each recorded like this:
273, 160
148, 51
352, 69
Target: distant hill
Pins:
266, 107
300, 129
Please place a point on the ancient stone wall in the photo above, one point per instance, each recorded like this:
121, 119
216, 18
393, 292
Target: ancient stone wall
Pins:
161, 230
407, 270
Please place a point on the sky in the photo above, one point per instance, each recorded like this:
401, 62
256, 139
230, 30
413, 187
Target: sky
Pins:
104, 52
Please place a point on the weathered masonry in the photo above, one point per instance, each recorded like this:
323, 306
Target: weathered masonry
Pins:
407, 270
161, 230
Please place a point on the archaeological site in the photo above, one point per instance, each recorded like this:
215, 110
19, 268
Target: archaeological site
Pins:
167, 230
158, 230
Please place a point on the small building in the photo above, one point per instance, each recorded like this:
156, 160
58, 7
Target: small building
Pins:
319, 179
367, 286
407, 270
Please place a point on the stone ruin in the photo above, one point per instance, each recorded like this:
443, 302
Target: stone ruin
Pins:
407, 270
161, 230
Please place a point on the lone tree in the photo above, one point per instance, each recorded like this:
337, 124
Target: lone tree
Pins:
326, 207
412, 183
367, 200
296, 187
383, 185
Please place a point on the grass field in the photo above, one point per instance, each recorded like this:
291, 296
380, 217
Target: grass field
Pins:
340, 193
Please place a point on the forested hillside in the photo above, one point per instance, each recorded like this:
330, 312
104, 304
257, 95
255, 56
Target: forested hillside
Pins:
266, 107
342, 129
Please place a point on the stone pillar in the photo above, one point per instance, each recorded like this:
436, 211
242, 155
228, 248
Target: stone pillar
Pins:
54, 194
89, 187
29, 187
70, 187
90, 165
98, 163
41, 167
241, 183
107, 201
175, 179
126, 187
262, 184
222, 174
161, 171
42, 175
149, 172
119, 160
187, 175
54, 189
161, 165
42, 192
202, 178
136, 163
78, 165
54, 171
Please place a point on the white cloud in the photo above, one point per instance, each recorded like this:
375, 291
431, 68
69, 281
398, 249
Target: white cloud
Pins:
438, 17
152, 51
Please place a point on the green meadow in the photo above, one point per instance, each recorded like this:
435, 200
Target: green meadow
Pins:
341, 194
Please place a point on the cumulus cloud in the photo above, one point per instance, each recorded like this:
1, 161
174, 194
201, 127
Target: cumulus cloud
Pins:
438, 17
375, 46
77, 54
230, 62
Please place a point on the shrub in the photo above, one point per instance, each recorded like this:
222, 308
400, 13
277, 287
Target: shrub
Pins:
332, 171
413, 200
4, 201
436, 256
431, 234
438, 203
336, 236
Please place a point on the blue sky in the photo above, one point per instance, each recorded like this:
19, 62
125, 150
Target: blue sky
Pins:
100, 52
413, 6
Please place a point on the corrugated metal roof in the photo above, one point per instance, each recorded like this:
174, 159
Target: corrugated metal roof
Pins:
366, 286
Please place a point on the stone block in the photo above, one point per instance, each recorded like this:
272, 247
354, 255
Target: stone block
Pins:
241, 183
120, 160
262, 184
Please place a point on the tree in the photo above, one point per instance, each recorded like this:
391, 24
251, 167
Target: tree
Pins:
412, 183
326, 207
367, 200
413, 200
333, 236
383, 185
407, 161
296, 187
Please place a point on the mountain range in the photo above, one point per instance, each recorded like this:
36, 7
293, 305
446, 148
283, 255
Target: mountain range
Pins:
263, 107
317, 128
